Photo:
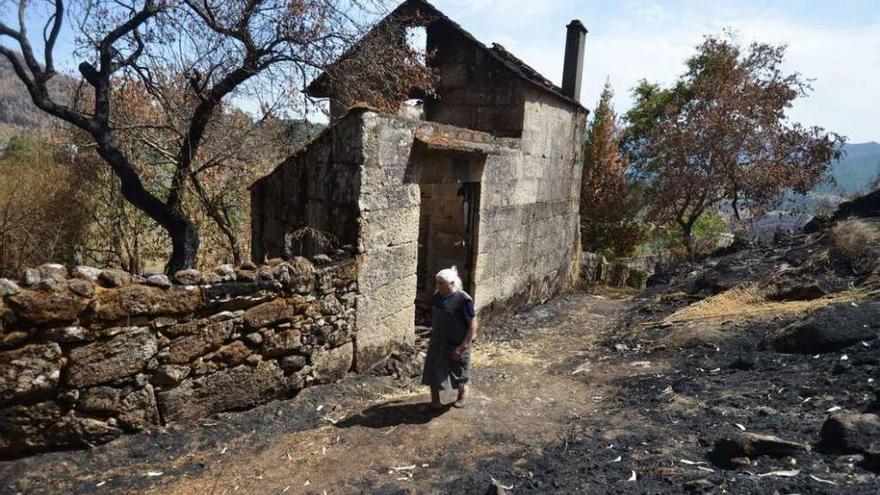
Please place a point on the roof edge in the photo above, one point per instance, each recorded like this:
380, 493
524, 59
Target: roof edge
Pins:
314, 90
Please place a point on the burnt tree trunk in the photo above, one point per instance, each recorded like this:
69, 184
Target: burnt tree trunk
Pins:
181, 230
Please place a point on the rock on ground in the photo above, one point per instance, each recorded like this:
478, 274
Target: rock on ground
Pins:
738, 449
830, 329
849, 433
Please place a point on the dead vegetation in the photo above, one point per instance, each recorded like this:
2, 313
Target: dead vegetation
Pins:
498, 353
857, 242
751, 301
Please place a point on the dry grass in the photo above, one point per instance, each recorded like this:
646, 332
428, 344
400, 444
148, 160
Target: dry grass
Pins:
500, 353
858, 242
748, 301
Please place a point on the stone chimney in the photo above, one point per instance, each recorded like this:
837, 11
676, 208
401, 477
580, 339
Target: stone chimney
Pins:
572, 71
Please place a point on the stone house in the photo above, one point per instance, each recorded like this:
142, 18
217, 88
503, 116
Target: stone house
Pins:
487, 179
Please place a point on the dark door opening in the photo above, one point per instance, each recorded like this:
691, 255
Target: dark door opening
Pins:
447, 237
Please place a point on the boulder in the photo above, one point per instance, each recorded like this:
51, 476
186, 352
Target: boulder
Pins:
35, 427
188, 328
792, 286
184, 349
86, 273
30, 372
850, 433
269, 313
8, 287
332, 365
279, 343
170, 375
80, 287
138, 411
235, 388
867, 206
830, 329
114, 278
38, 308
735, 450
100, 400
141, 300
159, 280
188, 277
120, 356
53, 271
230, 355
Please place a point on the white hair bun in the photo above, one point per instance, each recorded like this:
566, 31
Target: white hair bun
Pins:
450, 276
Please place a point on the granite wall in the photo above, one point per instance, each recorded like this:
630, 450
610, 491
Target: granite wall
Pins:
526, 240
529, 213
90, 354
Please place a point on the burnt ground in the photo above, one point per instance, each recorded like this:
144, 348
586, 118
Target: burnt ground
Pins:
593, 392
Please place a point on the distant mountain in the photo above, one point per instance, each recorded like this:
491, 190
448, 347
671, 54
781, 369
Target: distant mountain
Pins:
856, 172
17, 112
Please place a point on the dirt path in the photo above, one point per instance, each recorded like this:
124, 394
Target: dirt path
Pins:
524, 399
579, 395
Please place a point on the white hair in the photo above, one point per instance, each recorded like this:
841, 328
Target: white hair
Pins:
450, 276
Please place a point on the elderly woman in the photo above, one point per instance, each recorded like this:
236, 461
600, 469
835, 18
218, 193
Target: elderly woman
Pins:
453, 329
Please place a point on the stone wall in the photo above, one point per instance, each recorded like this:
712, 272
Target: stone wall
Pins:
527, 235
316, 187
474, 90
631, 272
388, 244
88, 355
529, 213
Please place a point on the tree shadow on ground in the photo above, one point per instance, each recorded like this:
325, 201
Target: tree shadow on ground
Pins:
393, 413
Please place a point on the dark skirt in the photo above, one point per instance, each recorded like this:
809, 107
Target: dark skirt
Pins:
441, 371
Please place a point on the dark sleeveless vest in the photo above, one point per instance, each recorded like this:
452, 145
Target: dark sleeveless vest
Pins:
448, 320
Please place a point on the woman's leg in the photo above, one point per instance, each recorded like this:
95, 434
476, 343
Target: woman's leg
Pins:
435, 396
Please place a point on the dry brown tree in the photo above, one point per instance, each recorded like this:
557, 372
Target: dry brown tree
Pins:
190, 61
609, 205
721, 135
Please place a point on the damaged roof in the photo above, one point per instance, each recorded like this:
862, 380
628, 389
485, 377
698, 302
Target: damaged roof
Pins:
520, 69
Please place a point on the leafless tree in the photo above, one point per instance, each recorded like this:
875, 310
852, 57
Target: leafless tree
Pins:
216, 51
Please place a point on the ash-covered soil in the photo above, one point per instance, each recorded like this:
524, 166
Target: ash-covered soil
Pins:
593, 392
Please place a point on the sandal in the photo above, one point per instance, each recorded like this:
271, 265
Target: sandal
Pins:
460, 403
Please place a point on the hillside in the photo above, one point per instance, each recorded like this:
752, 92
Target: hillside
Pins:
856, 171
17, 112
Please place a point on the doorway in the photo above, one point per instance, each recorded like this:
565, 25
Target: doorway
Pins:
448, 222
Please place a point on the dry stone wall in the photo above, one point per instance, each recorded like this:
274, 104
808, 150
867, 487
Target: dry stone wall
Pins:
90, 354
318, 187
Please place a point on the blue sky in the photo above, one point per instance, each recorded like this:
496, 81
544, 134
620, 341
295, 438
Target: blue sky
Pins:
835, 43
